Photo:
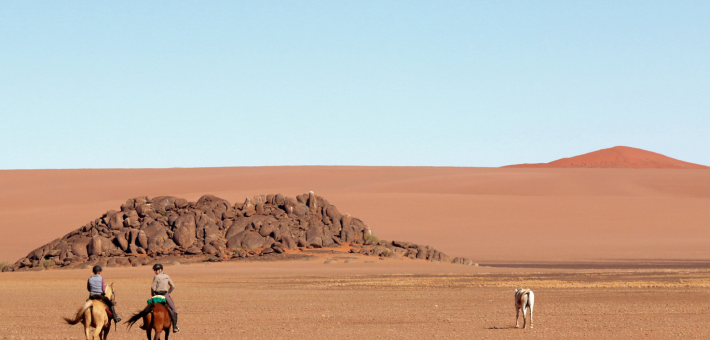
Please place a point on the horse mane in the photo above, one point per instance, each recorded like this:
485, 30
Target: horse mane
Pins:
109, 291
147, 310
79, 314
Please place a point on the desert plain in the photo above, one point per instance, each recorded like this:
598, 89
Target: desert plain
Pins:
609, 253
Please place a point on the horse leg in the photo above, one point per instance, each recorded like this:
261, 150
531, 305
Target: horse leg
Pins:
99, 324
147, 325
156, 328
106, 330
531, 310
87, 330
87, 323
525, 321
517, 315
167, 325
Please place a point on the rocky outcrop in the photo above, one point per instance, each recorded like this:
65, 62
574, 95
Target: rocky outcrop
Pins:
212, 229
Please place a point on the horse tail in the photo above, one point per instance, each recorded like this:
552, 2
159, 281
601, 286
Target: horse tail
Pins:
520, 295
79, 314
147, 310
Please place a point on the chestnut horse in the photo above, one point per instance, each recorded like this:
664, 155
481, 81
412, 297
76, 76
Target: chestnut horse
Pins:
155, 318
93, 314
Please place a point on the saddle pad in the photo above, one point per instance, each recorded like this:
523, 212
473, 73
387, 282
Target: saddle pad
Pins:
157, 299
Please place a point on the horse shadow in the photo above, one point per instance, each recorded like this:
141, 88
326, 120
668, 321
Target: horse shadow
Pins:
501, 327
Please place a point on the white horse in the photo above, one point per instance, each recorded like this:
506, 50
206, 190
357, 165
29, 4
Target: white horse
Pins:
524, 298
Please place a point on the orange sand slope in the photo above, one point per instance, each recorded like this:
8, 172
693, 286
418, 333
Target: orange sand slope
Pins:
487, 214
616, 157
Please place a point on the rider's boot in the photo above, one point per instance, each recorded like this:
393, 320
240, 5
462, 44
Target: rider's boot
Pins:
116, 318
173, 316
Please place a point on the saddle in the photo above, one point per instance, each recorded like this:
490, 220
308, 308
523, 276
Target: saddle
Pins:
157, 299
100, 298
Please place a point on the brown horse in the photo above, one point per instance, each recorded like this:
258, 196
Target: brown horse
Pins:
155, 318
93, 314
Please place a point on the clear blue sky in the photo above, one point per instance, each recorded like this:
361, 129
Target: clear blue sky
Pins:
135, 84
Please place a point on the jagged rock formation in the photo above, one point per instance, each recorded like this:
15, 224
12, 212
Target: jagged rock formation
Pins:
149, 230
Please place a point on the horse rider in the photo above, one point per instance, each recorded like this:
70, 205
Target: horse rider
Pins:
163, 285
97, 291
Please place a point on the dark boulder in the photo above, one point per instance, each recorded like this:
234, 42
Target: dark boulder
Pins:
252, 240
181, 203
402, 244
268, 242
315, 242
142, 239
162, 204
295, 208
235, 241
266, 230
229, 214
315, 231
95, 246
79, 247
209, 249
212, 203
156, 233
144, 210
185, 221
121, 240
115, 222
279, 200
210, 233
193, 251
184, 237
289, 242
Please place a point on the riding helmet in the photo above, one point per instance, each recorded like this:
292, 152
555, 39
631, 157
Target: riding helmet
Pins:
157, 266
97, 269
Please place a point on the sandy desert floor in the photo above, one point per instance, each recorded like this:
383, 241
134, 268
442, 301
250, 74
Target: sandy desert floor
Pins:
384, 299
487, 214
610, 253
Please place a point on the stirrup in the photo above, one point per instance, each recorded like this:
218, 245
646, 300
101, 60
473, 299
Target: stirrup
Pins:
117, 319
176, 330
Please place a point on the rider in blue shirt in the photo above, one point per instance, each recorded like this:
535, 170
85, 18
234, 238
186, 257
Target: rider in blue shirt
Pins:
97, 291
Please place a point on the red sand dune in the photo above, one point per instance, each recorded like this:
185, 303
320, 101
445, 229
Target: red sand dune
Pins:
486, 214
616, 157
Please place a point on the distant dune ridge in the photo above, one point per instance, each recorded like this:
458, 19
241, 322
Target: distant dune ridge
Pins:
616, 157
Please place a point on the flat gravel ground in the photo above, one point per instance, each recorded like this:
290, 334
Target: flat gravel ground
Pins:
260, 305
